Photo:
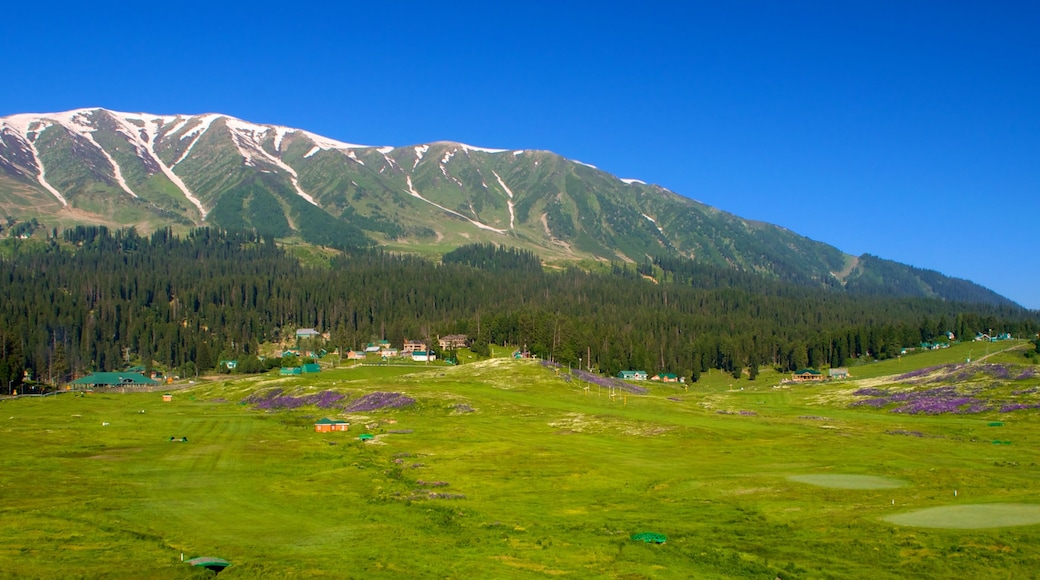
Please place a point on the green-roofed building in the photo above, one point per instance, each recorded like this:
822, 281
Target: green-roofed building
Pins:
311, 368
123, 379
291, 371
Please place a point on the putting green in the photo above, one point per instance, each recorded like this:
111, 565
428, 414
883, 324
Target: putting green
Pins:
969, 517
847, 481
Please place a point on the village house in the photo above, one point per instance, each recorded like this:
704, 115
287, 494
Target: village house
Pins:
423, 356
453, 341
325, 425
632, 375
389, 352
411, 346
355, 355
665, 378
838, 373
307, 333
807, 375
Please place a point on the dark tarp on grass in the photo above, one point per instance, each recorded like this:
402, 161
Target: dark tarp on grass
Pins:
209, 562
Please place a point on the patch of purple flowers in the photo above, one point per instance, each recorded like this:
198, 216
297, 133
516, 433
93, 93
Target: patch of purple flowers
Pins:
274, 399
925, 402
1018, 407
1029, 373
380, 400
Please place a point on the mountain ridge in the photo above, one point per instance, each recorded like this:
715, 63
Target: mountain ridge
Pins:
149, 171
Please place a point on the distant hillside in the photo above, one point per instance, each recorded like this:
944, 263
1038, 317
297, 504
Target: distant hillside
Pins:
94, 166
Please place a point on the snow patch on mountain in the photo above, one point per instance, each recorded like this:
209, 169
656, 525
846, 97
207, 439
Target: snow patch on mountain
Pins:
196, 134
154, 126
509, 192
248, 138
412, 191
631, 181
419, 152
279, 135
585, 164
19, 125
469, 148
313, 150
653, 221
79, 122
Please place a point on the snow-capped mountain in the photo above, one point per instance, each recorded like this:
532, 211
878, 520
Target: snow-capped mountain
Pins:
149, 171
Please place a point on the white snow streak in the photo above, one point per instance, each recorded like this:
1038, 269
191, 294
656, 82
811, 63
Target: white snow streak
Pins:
154, 127
77, 122
325, 144
653, 221
385, 150
509, 192
196, 133
20, 126
416, 194
313, 150
585, 164
279, 134
631, 181
448, 155
177, 127
518, 153
419, 152
247, 137
469, 148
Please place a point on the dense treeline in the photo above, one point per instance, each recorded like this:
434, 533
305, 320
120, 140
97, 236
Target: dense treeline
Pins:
98, 300
493, 257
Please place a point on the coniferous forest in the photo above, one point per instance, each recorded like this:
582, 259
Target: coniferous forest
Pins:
95, 299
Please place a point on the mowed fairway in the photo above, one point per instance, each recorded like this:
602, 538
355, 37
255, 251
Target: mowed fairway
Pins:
501, 469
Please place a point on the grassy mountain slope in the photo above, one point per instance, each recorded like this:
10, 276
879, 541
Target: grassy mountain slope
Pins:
426, 198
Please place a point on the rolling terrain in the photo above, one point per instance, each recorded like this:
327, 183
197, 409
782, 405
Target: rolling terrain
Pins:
506, 469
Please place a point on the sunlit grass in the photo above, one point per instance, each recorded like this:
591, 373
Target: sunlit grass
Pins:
504, 469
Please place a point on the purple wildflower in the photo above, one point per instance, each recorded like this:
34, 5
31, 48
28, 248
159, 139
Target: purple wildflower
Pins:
380, 400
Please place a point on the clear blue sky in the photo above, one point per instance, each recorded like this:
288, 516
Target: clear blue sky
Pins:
908, 130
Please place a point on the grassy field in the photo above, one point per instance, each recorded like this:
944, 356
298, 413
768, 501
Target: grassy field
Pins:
503, 469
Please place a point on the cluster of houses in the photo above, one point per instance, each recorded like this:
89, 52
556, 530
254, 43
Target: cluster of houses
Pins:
642, 376
416, 350
986, 337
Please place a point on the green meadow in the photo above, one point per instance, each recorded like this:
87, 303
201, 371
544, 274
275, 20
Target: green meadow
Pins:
504, 469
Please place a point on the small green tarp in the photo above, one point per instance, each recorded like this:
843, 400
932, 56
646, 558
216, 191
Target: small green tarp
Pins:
365, 436
650, 537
